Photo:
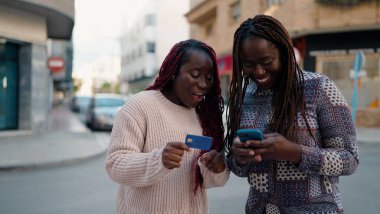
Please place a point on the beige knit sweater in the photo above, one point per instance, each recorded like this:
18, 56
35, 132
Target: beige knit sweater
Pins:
145, 124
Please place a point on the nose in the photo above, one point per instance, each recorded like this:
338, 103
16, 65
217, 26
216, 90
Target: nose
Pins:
258, 70
202, 83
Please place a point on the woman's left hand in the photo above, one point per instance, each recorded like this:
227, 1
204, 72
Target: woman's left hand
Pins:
276, 147
214, 161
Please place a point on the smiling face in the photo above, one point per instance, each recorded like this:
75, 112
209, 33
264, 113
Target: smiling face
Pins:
260, 60
194, 79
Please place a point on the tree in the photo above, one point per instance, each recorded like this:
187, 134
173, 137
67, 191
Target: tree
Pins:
77, 84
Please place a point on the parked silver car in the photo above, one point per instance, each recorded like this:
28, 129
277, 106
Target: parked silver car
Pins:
79, 103
102, 110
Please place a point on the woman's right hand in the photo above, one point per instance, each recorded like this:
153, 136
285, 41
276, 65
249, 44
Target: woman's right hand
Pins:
172, 154
242, 153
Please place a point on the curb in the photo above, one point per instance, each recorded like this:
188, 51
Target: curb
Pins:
51, 164
100, 150
368, 141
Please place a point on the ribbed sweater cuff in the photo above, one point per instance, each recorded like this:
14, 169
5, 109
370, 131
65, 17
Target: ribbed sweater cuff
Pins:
211, 179
161, 169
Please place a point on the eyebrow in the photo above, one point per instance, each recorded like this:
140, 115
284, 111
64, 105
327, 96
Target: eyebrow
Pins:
271, 56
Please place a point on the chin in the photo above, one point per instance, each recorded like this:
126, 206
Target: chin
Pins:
194, 105
265, 87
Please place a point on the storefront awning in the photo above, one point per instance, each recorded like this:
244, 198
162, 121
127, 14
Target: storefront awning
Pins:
59, 24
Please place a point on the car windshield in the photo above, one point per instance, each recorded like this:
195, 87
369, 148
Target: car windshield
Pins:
83, 100
108, 102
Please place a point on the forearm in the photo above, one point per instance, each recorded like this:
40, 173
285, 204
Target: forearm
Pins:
330, 162
237, 169
211, 179
136, 169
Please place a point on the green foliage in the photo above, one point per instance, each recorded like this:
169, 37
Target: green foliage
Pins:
117, 88
77, 84
106, 87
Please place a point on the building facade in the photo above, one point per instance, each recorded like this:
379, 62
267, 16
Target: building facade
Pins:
327, 37
147, 38
26, 83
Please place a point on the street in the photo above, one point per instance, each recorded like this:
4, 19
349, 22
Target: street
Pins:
361, 190
80, 188
84, 187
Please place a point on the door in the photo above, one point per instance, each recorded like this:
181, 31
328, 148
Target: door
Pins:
8, 86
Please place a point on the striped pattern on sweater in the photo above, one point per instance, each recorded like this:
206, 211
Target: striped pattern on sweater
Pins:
145, 124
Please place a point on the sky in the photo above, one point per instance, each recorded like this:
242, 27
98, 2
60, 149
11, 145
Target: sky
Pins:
97, 30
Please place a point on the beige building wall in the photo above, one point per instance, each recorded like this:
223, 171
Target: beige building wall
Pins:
23, 26
300, 17
212, 22
307, 16
66, 7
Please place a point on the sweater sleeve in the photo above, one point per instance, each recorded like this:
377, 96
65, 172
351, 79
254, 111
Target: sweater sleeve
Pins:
211, 179
125, 162
239, 170
338, 154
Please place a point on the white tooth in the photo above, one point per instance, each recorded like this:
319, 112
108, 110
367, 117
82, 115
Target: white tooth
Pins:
263, 80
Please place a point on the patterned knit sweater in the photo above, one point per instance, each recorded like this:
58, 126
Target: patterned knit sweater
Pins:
145, 124
311, 186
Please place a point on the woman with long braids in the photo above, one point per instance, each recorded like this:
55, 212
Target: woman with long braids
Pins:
309, 136
156, 171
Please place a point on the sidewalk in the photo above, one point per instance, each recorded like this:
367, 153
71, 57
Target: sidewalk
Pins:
368, 136
67, 141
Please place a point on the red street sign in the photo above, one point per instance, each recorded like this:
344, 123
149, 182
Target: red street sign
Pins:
56, 64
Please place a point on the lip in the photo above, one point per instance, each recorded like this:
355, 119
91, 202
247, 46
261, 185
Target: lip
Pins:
263, 81
198, 97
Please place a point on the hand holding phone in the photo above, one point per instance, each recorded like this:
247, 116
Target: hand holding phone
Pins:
244, 154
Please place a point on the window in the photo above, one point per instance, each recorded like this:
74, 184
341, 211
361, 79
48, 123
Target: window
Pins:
209, 28
150, 20
235, 10
140, 51
151, 47
269, 3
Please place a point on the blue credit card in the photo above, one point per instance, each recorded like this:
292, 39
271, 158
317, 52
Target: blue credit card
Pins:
198, 142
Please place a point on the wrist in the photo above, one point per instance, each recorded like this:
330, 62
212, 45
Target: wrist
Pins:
239, 163
296, 154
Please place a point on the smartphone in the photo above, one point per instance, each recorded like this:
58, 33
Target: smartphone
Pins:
250, 134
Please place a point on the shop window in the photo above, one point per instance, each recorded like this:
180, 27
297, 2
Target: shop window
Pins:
338, 69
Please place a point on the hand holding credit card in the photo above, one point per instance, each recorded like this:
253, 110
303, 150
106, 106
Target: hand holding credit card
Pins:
198, 142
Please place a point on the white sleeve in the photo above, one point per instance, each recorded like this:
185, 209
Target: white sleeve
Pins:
211, 179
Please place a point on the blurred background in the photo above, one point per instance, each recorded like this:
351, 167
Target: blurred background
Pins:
67, 66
